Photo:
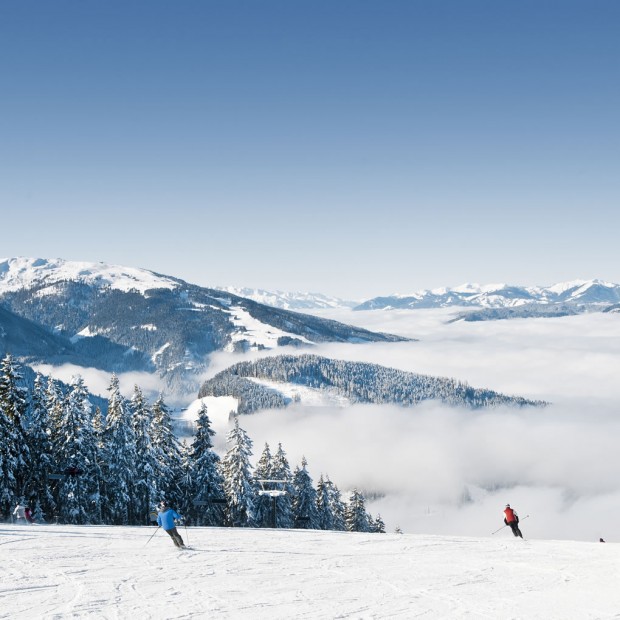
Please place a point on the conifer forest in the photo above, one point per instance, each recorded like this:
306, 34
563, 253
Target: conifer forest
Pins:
73, 462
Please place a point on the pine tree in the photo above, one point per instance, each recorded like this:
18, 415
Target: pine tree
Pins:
119, 458
14, 452
145, 487
186, 499
98, 424
167, 449
355, 515
304, 499
281, 470
262, 503
54, 399
38, 435
378, 526
323, 506
337, 506
205, 480
75, 453
9, 463
236, 472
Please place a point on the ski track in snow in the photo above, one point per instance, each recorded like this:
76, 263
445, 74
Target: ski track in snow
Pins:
57, 572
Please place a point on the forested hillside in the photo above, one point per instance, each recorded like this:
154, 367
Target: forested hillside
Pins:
357, 381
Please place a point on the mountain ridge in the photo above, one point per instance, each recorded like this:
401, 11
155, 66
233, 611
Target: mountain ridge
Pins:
592, 294
120, 318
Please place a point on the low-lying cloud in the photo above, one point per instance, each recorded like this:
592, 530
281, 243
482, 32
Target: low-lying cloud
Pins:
451, 471
98, 381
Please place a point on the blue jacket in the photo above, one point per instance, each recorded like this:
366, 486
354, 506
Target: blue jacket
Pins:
166, 518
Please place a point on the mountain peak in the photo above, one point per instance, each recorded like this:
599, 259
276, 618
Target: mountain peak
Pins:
19, 273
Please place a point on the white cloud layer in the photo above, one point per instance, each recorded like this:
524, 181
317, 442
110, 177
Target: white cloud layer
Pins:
98, 381
451, 471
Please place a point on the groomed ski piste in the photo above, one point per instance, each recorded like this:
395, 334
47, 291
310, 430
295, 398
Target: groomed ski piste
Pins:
62, 571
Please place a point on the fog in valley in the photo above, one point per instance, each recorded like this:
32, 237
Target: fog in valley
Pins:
436, 469
451, 471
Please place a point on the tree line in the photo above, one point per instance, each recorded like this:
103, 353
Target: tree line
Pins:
360, 382
73, 463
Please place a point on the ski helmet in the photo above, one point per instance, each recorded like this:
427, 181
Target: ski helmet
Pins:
507, 505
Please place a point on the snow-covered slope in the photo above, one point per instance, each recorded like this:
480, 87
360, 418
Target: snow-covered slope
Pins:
20, 273
51, 571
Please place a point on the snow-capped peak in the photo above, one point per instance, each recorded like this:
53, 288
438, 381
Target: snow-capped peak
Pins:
18, 273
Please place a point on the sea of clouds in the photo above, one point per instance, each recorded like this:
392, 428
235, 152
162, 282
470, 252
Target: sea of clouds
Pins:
451, 471
436, 469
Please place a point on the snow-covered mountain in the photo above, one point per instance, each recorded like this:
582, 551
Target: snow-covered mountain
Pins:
589, 294
119, 318
581, 295
289, 300
26, 273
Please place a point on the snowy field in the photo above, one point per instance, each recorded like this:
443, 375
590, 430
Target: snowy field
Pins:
115, 572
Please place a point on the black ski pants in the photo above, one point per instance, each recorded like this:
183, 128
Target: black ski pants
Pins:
514, 526
176, 537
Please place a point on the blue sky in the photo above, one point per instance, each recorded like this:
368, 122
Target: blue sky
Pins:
354, 148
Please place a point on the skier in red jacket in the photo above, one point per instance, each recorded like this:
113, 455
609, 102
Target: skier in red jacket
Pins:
511, 518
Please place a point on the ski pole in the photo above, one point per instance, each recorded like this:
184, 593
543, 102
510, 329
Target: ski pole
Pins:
186, 533
503, 526
153, 534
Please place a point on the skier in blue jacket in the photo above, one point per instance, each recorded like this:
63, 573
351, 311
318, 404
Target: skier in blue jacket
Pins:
165, 519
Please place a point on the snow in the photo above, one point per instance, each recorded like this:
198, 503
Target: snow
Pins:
308, 396
87, 332
60, 571
17, 273
289, 300
255, 332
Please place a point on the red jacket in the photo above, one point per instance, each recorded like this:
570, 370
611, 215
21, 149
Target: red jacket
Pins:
510, 516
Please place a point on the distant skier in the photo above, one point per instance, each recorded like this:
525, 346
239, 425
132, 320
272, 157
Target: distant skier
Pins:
20, 514
165, 519
511, 518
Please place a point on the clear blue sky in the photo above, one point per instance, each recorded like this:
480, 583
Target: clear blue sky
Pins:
355, 148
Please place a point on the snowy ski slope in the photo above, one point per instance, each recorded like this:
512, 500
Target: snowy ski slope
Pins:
59, 571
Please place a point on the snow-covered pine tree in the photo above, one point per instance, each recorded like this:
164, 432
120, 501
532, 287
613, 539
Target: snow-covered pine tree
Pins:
53, 403
9, 463
337, 506
237, 475
186, 502
304, 499
167, 449
378, 526
98, 423
355, 515
281, 470
75, 454
205, 480
262, 503
15, 449
145, 488
323, 506
119, 458
38, 435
